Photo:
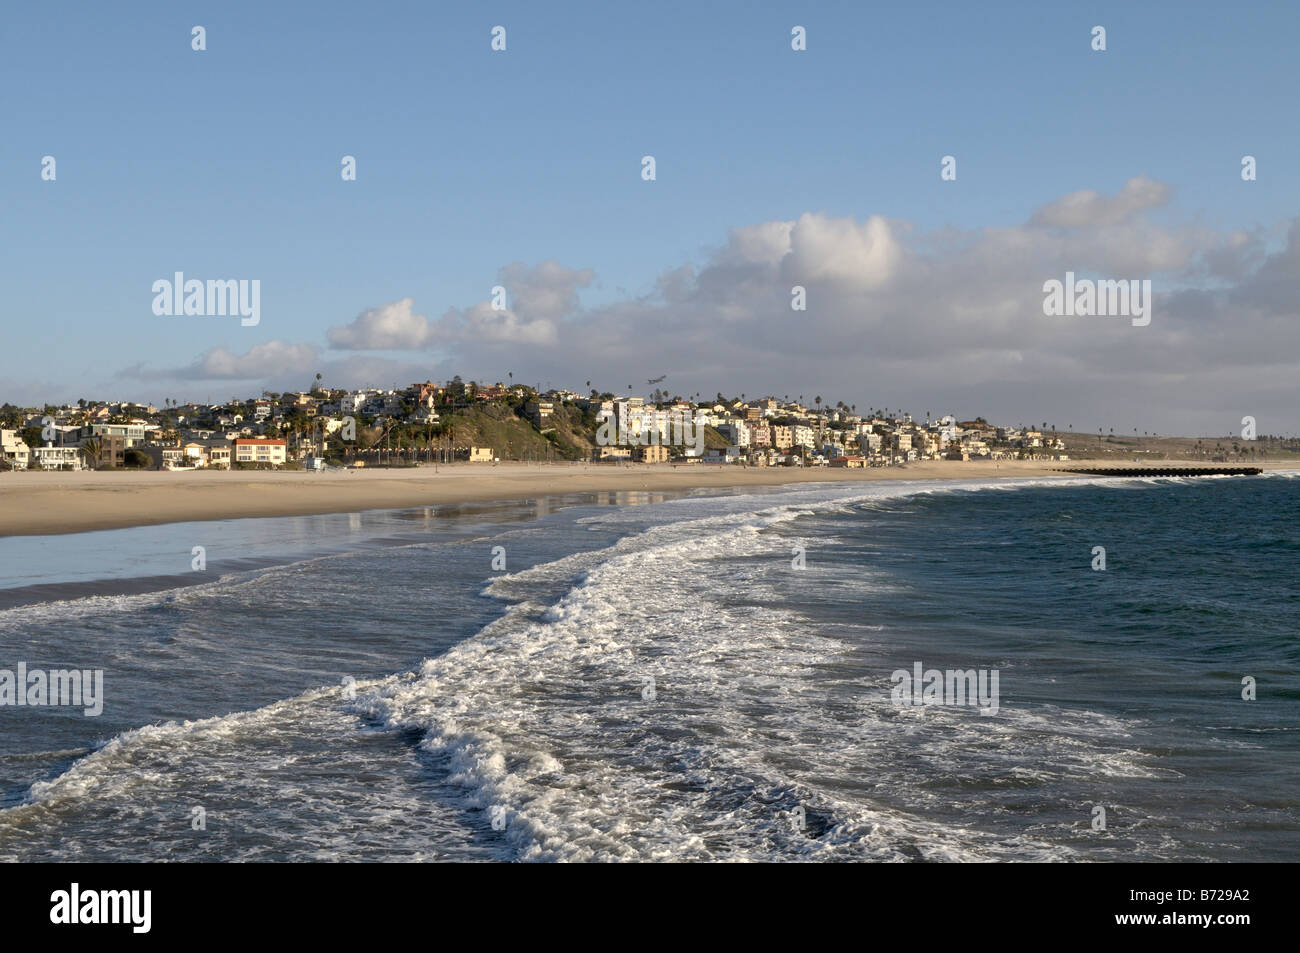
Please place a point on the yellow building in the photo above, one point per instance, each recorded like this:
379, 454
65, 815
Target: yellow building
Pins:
651, 454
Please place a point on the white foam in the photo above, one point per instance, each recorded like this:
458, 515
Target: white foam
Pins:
541, 715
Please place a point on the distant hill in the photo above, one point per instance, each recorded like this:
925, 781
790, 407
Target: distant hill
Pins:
570, 433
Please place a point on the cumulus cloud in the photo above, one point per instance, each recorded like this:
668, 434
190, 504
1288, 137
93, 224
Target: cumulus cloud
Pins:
535, 297
1088, 208
940, 319
261, 361
841, 251
482, 325
392, 326
546, 292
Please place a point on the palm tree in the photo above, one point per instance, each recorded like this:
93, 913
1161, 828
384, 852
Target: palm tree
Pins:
91, 449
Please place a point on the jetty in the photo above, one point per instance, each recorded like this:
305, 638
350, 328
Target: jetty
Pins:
1156, 471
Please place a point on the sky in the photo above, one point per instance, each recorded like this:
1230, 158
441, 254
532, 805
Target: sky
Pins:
523, 169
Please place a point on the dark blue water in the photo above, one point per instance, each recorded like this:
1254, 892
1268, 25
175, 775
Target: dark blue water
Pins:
649, 678
1201, 589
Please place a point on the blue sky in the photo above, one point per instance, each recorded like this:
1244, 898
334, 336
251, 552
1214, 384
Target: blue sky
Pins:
225, 163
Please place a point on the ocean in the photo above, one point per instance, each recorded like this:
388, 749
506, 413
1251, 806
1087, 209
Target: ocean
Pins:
714, 676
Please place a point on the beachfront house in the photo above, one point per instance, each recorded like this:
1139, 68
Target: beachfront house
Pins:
133, 434
14, 450
218, 453
253, 450
56, 458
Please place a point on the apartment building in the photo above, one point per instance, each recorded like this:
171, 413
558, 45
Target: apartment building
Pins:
104, 452
628, 413
652, 453
133, 433
736, 434
353, 403
257, 450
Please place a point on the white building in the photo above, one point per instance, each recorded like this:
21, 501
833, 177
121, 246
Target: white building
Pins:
14, 449
248, 450
353, 403
737, 434
57, 458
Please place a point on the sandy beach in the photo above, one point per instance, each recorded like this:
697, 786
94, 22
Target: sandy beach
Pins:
39, 503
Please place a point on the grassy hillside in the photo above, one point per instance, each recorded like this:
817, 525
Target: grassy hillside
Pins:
514, 437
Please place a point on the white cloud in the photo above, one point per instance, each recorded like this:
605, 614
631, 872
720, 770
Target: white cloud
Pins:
855, 256
536, 298
261, 360
1088, 208
928, 319
392, 326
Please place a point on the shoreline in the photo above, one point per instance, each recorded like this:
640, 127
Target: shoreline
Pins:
43, 504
